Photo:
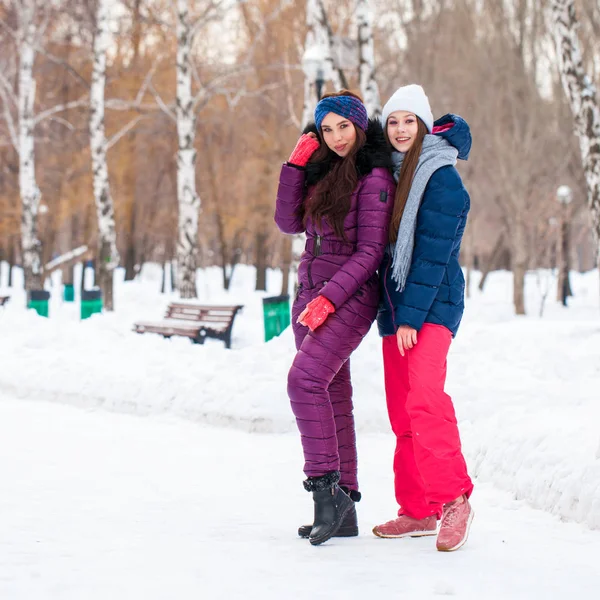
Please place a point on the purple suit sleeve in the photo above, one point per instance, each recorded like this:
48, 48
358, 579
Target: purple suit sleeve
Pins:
290, 196
375, 204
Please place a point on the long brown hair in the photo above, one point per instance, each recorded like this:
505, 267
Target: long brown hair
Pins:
407, 172
330, 199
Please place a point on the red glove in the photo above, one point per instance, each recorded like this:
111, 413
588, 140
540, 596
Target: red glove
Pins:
306, 146
316, 312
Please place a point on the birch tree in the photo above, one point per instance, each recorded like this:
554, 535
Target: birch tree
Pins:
21, 129
581, 94
194, 90
31, 19
318, 49
30, 192
108, 255
187, 196
366, 67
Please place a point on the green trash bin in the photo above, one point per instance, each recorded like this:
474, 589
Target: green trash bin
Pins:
91, 303
69, 293
38, 301
276, 311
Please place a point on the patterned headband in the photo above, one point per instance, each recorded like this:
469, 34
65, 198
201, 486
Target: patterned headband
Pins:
345, 106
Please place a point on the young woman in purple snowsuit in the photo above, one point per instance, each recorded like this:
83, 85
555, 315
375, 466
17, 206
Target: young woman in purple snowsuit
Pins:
338, 189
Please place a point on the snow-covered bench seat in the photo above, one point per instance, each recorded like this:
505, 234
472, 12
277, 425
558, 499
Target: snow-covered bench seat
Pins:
194, 321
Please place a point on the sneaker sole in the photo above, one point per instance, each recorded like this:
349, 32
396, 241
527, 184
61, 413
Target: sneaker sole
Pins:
412, 534
463, 541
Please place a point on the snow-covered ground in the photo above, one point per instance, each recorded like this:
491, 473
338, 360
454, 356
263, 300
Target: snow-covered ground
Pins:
526, 391
98, 506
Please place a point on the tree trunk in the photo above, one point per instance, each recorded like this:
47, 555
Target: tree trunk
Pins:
492, 261
105, 277
519, 289
11, 262
286, 264
563, 289
130, 244
108, 256
581, 93
310, 92
30, 193
366, 74
188, 199
224, 274
130, 259
261, 261
319, 38
324, 39
519, 264
67, 275
94, 268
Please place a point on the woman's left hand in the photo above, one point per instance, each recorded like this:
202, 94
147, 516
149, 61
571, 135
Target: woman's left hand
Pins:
316, 312
407, 338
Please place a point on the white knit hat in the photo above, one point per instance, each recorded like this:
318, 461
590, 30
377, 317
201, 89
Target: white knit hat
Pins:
411, 98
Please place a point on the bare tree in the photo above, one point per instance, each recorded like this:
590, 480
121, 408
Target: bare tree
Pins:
27, 29
581, 94
189, 200
366, 52
188, 24
318, 48
108, 255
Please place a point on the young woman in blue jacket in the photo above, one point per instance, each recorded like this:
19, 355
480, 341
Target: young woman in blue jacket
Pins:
422, 302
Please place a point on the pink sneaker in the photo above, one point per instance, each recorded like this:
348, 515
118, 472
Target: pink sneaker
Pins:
405, 526
454, 529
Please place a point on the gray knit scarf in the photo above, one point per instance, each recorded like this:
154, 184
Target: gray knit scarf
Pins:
437, 152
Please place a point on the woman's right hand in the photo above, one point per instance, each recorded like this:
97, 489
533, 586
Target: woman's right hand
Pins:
406, 337
305, 148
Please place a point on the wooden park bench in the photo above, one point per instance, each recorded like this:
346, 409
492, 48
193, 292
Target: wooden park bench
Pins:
4, 300
194, 322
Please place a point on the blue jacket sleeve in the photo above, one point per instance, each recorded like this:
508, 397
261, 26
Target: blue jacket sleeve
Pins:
438, 221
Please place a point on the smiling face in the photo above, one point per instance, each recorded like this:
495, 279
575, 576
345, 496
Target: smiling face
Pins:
402, 128
338, 133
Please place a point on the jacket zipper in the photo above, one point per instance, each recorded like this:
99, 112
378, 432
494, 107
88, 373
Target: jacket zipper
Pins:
317, 252
387, 293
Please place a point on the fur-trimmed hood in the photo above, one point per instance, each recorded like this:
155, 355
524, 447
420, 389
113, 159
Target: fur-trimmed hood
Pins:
375, 153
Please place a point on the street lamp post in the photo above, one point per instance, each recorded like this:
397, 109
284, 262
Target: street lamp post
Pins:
319, 82
564, 196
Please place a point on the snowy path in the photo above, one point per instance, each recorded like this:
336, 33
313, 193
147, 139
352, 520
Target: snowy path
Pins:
95, 505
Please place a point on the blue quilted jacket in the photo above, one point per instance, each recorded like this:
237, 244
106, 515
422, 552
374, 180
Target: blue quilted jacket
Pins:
435, 286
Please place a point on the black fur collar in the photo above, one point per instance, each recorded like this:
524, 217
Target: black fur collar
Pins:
375, 153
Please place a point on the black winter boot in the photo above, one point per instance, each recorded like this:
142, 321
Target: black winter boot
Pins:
331, 506
349, 526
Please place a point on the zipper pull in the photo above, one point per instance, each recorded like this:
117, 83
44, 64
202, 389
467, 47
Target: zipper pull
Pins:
318, 246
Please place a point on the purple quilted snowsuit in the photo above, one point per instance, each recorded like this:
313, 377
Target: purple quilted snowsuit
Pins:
319, 384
